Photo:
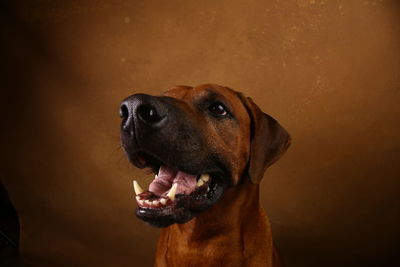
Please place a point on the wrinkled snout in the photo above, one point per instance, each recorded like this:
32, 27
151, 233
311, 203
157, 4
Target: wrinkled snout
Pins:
166, 130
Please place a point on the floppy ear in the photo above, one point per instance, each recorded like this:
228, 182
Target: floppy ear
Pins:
269, 141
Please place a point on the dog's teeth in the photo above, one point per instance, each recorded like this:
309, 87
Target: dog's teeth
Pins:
148, 202
200, 183
137, 198
141, 202
163, 201
155, 202
205, 177
138, 189
171, 193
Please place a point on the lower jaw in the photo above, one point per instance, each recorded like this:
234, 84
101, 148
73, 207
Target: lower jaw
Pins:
181, 210
164, 218
184, 208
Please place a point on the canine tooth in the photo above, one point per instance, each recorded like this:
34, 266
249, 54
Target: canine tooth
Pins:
171, 193
137, 197
141, 202
163, 201
200, 183
138, 189
148, 202
155, 202
205, 177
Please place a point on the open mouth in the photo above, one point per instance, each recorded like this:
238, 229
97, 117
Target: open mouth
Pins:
167, 184
174, 196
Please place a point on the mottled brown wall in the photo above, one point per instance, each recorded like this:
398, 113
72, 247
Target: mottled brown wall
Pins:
329, 71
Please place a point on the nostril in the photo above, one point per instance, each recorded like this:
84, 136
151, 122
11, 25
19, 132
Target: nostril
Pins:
124, 112
148, 114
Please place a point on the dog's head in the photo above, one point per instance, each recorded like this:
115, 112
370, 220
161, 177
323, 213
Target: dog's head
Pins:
198, 141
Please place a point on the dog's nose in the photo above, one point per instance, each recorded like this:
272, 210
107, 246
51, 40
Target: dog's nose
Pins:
148, 114
141, 108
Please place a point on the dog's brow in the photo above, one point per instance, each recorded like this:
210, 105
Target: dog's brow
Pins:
212, 94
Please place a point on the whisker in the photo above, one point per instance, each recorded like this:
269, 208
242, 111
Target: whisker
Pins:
117, 148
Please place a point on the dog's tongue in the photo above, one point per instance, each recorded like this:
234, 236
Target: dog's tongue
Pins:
168, 176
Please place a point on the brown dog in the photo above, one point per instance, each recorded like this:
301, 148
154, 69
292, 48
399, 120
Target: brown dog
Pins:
209, 147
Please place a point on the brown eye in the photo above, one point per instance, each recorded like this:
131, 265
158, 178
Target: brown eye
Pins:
218, 109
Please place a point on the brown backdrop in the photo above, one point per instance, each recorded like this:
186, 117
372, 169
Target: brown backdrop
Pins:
329, 71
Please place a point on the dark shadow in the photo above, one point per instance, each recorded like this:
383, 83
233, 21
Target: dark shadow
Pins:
9, 231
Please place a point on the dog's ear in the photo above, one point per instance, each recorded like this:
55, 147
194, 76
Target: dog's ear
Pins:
269, 140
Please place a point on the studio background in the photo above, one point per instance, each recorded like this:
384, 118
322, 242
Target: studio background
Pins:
329, 71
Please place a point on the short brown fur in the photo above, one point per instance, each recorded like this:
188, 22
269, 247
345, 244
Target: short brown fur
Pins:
235, 231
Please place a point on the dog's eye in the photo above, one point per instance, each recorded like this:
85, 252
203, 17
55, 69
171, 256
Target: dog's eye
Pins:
218, 108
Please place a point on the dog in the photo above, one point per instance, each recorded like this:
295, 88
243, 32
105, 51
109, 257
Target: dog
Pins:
208, 147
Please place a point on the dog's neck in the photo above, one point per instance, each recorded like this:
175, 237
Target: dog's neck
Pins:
232, 223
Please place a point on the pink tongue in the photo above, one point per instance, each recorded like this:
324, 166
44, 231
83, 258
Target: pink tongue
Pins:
167, 176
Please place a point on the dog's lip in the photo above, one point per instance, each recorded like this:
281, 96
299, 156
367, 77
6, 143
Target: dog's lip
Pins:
146, 160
